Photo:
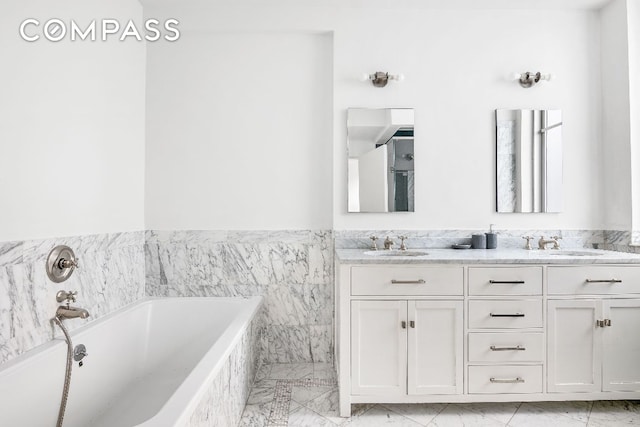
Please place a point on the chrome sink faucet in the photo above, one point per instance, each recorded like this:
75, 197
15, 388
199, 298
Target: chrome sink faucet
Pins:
403, 247
388, 243
542, 243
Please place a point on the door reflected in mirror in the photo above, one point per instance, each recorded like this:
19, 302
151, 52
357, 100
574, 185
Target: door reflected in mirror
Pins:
529, 160
381, 159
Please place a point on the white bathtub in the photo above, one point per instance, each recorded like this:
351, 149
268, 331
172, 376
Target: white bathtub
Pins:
149, 364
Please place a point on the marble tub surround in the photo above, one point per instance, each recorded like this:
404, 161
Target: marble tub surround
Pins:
488, 256
111, 275
225, 399
292, 269
442, 239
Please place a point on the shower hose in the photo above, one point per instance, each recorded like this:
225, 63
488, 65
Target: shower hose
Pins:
67, 375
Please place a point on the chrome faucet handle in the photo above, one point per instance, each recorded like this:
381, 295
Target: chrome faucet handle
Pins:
374, 247
403, 247
69, 297
68, 263
555, 239
527, 246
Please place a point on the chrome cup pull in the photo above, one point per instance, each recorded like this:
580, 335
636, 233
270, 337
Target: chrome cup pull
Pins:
506, 282
506, 380
603, 281
516, 348
408, 282
506, 314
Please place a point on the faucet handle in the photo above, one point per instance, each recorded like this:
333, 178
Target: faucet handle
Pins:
68, 263
527, 246
556, 237
69, 297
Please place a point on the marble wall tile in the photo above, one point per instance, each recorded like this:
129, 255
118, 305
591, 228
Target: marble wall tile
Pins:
111, 275
292, 269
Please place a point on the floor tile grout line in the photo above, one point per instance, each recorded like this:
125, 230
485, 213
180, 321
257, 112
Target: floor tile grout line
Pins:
589, 414
514, 414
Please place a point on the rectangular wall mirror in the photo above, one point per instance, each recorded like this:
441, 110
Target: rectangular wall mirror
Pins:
529, 160
381, 159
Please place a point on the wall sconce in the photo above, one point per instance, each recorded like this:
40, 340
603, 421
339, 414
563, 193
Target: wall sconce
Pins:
380, 78
529, 79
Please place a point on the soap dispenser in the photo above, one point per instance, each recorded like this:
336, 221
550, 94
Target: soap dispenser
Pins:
492, 238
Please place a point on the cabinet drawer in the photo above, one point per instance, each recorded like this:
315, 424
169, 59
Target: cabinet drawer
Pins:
406, 280
507, 314
505, 379
505, 280
594, 279
506, 347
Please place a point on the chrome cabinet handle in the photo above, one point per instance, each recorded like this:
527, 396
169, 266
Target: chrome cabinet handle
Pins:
506, 315
603, 323
506, 282
403, 324
506, 380
516, 348
407, 282
603, 281
412, 324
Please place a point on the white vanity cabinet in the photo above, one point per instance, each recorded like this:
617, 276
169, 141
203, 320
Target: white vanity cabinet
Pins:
406, 347
465, 332
593, 334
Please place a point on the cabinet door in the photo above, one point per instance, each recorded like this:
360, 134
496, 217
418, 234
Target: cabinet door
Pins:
574, 346
620, 366
379, 348
435, 347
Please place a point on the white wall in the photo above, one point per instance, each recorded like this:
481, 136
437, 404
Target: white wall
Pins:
239, 131
456, 63
72, 133
615, 116
633, 22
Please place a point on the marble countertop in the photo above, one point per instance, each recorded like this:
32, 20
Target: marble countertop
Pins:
487, 256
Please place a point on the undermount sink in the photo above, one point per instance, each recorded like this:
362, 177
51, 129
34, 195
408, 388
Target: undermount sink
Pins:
574, 253
396, 253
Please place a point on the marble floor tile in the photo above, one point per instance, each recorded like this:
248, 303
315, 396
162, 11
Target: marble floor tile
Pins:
381, 416
255, 415
303, 395
263, 373
422, 413
324, 371
327, 406
458, 416
530, 415
291, 371
614, 413
259, 396
573, 409
308, 396
499, 411
305, 417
